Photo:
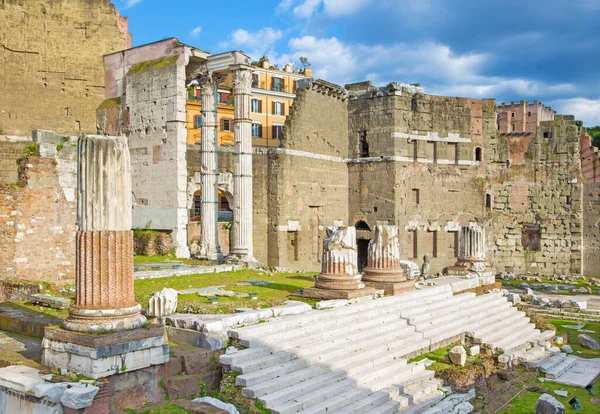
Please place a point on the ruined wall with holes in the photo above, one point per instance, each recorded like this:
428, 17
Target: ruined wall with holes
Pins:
591, 229
51, 71
534, 220
37, 212
421, 171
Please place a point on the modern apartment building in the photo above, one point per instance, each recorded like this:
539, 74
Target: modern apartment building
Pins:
273, 92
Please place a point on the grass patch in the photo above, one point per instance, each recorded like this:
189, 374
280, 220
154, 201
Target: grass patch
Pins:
574, 341
284, 285
153, 64
108, 103
525, 403
139, 259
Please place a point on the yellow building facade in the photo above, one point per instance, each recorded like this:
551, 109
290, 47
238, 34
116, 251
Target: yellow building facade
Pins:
273, 93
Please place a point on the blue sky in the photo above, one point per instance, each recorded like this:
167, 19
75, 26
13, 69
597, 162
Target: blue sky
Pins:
546, 50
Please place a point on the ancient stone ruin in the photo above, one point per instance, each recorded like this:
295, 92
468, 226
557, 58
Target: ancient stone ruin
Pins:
104, 297
472, 259
383, 270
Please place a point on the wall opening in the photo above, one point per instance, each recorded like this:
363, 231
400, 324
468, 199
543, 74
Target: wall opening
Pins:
415, 244
488, 201
292, 246
363, 145
434, 244
196, 206
362, 246
531, 237
362, 225
416, 196
478, 154
455, 243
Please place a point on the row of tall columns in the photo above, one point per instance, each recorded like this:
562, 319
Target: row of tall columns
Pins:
242, 248
209, 241
472, 243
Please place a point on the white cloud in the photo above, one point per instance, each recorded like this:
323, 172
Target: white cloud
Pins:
254, 44
285, 5
439, 69
307, 8
584, 109
131, 3
196, 31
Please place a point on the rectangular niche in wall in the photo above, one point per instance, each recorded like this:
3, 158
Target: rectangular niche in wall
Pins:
531, 237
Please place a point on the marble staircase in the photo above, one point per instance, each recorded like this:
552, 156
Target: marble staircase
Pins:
355, 359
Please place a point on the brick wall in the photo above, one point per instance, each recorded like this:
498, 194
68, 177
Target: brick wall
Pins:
37, 227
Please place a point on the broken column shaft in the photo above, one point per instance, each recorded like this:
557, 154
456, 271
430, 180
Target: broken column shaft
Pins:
104, 297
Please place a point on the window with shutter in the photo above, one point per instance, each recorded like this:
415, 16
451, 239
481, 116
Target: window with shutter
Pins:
282, 109
198, 121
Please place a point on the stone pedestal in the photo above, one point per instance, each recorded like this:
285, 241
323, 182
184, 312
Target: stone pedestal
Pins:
472, 257
99, 336
99, 356
339, 277
383, 270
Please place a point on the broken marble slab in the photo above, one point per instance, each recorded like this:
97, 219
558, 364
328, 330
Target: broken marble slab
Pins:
218, 323
255, 283
212, 291
49, 301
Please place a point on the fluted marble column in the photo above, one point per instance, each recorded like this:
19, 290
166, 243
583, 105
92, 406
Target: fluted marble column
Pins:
104, 297
209, 240
383, 260
242, 248
472, 243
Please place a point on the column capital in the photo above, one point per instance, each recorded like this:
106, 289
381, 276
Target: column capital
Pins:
242, 79
207, 84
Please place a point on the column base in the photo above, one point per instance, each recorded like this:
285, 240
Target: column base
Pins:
327, 294
393, 288
383, 275
99, 356
338, 282
104, 320
242, 258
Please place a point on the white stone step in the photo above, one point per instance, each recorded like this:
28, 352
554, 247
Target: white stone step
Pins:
503, 317
266, 374
503, 331
522, 342
335, 337
564, 366
365, 405
311, 317
431, 399
518, 337
245, 355
319, 330
283, 381
388, 407
428, 311
313, 398
301, 388
335, 403
267, 361
345, 352
454, 323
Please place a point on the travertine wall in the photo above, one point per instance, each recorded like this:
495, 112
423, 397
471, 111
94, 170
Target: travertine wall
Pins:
51, 72
10, 154
420, 173
37, 216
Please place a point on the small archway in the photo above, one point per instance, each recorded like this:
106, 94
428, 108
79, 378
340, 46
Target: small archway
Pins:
488, 201
362, 225
478, 154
